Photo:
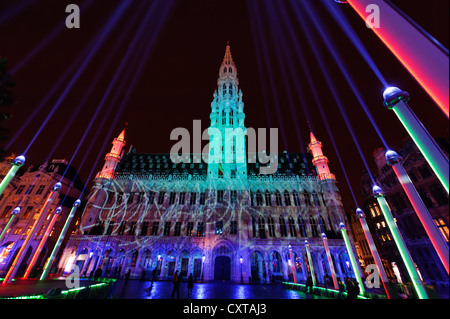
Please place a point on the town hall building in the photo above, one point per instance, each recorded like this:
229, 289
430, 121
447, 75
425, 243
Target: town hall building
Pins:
217, 220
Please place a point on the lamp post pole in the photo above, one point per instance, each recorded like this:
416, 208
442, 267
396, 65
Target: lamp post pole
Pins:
404, 253
159, 264
373, 249
311, 266
242, 277
352, 257
21, 254
330, 261
294, 273
397, 100
48, 266
13, 215
16, 164
203, 263
429, 65
439, 244
42, 243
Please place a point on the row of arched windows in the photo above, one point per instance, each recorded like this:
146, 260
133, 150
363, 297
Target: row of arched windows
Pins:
291, 229
311, 199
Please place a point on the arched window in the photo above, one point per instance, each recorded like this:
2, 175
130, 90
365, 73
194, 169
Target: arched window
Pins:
283, 229
316, 201
225, 70
307, 198
268, 198
230, 70
296, 199
224, 118
271, 226
278, 198
287, 198
292, 229
231, 117
275, 259
261, 228
259, 200
300, 227
312, 223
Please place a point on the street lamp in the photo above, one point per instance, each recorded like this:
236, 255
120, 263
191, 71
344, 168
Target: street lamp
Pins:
400, 243
291, 265
242, 278
203, 261
159, 264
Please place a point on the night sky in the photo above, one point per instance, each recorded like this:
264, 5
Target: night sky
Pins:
176, 82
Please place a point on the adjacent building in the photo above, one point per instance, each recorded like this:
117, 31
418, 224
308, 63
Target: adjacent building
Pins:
435, 199
29, 191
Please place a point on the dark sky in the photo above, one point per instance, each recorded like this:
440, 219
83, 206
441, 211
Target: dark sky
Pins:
176, 82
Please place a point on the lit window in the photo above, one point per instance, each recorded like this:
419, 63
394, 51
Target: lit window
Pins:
443, 228
378, 210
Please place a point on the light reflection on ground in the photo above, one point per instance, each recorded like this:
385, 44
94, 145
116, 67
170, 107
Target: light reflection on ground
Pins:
134, 289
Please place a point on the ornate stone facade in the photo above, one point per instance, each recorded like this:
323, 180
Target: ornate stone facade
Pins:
219, 222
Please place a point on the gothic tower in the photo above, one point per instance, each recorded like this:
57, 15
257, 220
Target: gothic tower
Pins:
101, 191
319, 160
227, 153
327, 180
113, 157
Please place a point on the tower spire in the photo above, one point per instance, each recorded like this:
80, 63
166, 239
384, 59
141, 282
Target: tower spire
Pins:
319, 160
228, 70
227, 117
113, 157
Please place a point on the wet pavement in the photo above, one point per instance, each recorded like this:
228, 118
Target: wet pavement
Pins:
36, 287
135, 289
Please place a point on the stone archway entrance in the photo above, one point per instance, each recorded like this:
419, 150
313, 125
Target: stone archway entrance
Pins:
222, 268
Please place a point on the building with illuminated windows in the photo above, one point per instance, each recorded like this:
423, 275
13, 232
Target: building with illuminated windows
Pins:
219, 220
435, 199
29, 190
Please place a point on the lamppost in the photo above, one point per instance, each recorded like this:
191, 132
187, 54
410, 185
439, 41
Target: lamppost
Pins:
159, 260
16, 164
397, 100
439, 244
15, 212
203, 262
242, 278
291, 264
400, 243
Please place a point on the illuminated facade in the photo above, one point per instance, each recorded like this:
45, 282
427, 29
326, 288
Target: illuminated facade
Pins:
219, 221
29, 190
